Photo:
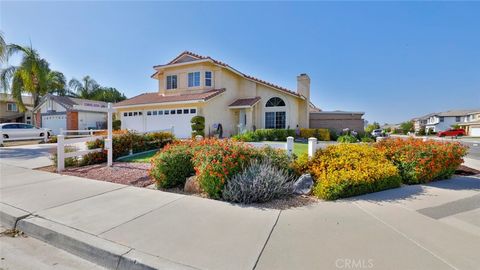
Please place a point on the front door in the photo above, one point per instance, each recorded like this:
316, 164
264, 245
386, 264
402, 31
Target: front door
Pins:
242, 123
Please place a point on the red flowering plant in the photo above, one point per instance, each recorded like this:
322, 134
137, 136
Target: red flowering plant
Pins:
421, 161
217, 160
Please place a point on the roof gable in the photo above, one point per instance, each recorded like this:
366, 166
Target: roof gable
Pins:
188, 56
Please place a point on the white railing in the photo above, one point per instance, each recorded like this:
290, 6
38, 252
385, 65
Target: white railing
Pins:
61, 141
62, 155
44, 138
80, 132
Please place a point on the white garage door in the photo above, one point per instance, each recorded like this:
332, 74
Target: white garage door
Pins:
474, 131
154, 120
54, 122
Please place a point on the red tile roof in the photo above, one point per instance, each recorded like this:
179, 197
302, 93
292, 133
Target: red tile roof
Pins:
201, 57
244, 102
152, 98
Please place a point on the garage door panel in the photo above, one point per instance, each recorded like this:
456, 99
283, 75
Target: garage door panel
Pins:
155, 120
475, 131
54, 122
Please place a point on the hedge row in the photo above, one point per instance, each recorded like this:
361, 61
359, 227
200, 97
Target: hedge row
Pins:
281, 134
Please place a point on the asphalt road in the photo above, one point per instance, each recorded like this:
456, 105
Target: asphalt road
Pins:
474, 149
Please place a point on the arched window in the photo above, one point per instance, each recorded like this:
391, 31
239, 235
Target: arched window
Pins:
275, 114
275, 102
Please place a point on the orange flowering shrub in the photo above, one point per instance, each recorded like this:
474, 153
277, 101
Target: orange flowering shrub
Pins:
345, 170
421, 161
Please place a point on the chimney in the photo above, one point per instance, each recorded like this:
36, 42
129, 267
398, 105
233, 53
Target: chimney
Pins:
303, 85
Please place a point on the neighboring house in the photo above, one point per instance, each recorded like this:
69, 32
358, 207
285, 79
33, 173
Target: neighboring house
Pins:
9, 111
337, 120
61, 112
191, 85
471, 123
441, 121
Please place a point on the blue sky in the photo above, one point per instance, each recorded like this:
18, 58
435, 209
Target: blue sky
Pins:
393, 61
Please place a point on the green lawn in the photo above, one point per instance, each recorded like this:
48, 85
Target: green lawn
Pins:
298, 149
145, 157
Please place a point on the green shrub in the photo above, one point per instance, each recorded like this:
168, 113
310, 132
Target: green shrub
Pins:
70, 161
93, 158
123, 143
347, 139
116, 124
346, 170
261, 181
172, 165
198, 125
265, 135
367, 139
276, 157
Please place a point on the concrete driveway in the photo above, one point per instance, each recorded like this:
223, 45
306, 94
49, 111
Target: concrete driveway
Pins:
28, 156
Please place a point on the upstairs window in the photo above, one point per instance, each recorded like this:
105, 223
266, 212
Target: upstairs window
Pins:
275, 102
12, 107
193, 79
172, 82
442, 119
208, 78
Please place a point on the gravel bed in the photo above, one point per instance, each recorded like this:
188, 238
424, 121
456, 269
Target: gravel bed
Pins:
127, 173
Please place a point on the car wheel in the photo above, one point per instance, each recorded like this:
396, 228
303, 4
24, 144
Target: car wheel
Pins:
41, 134
5, 136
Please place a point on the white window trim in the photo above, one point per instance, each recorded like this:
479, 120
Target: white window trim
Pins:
11, 104
166, 81
285, 109
205, 78
199, 79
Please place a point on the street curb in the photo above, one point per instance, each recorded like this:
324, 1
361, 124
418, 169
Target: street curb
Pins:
9, 216
100, 251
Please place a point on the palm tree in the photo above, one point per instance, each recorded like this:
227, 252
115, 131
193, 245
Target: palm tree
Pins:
32, 76
3, 48
84, 88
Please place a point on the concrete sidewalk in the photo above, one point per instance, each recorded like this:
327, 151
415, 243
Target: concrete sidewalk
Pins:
432, 226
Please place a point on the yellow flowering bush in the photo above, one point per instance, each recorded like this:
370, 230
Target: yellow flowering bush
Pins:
322, 134
346, 170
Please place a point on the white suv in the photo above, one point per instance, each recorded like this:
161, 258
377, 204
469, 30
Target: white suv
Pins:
20, 131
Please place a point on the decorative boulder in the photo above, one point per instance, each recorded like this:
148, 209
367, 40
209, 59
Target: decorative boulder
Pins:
192, 185
303, 185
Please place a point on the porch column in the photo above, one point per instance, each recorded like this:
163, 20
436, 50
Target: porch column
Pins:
249, 114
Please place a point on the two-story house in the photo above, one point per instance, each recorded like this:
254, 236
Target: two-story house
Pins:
445, 120
471, 123
9, 111
191, 85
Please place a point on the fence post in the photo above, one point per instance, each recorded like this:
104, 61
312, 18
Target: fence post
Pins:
312, 146
198, 137
60, 153
289, 145
108, 141
1, 138
108, 146
45, 136
61, 132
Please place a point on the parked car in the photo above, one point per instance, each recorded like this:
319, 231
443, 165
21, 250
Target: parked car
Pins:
20, 131
452, 132
377, 133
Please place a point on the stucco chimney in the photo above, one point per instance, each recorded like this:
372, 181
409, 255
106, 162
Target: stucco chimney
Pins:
303, 85
303, 88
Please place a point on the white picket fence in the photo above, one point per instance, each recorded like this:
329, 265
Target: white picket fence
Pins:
62, 143
313, 145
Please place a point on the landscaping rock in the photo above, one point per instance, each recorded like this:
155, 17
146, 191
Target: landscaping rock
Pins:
304, 185
192, 185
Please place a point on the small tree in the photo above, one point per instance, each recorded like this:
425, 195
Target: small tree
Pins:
406, 127
372, 127
198, 125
